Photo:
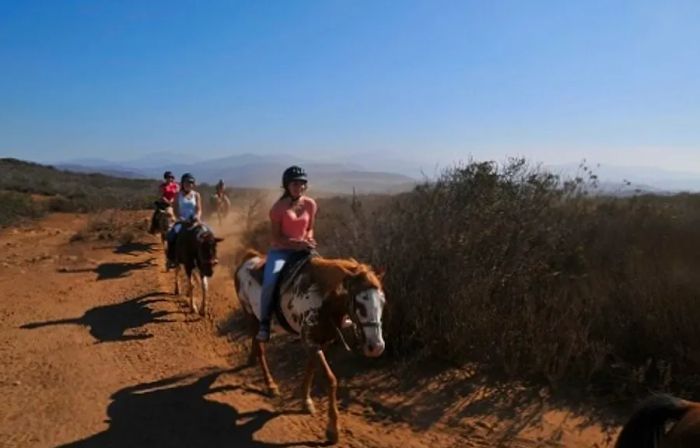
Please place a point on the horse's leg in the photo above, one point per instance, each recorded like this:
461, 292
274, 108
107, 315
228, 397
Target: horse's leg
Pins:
332, 428
253, 329
269, 381
205, 288
190, 285
164, 243
177, 284
306, 386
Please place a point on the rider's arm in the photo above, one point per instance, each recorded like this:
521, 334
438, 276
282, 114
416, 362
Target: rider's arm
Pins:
198, 206
313, 209
176, 208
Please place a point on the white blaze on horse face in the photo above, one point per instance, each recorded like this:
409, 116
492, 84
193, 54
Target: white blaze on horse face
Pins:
373, 302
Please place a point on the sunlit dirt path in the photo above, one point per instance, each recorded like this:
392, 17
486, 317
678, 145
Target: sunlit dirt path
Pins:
97, 352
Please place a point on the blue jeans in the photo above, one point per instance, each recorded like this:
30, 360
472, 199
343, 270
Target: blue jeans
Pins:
276, 259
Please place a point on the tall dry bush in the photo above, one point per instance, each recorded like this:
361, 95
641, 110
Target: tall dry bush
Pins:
513, 268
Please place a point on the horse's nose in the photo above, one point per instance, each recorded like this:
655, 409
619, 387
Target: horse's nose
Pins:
374, 349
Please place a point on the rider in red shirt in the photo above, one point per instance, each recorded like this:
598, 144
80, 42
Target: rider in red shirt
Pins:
168, 191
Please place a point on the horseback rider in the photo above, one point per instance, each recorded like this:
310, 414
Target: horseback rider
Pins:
187, 206
292, 220
220, 187
168, 189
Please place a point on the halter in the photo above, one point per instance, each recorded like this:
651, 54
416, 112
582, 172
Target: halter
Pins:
352, 312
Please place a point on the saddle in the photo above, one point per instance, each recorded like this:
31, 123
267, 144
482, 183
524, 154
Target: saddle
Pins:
289, 272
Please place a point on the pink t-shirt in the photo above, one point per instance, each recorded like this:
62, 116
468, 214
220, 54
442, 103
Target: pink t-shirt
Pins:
295, 219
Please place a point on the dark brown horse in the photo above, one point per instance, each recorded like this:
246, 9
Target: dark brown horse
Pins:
195, 248
314, 305
163, 220
647, 428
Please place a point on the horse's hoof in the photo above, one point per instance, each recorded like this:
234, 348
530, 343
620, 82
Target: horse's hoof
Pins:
332, 435
194, 309
309, 406
273, 390
202, 312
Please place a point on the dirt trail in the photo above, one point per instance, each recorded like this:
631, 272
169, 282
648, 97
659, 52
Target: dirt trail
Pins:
97, 353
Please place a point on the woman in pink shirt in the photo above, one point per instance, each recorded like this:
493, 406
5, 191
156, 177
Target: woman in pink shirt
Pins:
292, 220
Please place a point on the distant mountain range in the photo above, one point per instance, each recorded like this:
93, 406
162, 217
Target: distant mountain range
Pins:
251, 170
363, 172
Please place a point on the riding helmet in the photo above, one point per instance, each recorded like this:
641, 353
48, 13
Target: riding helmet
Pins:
293, 173
187, 177
168, 174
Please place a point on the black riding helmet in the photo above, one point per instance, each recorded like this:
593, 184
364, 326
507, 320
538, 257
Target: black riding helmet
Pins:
293, 173
187, 177
168, 174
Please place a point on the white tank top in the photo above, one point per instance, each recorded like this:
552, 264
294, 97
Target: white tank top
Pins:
187, 205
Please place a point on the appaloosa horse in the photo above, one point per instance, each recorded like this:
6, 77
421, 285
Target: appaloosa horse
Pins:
313, 305
647, 426
195, 247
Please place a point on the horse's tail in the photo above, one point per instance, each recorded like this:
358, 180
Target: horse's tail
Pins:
646, 426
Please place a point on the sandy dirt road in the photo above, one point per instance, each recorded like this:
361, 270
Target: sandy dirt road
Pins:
97, 352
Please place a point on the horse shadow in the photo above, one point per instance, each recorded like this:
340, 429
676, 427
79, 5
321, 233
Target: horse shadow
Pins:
176, 413
110, 271
134, 248
109, 323
423, 393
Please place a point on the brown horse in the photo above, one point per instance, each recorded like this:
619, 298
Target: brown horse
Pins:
195, 247
314, 305
647, 426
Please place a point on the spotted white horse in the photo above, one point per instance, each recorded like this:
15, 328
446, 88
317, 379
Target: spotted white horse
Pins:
314, 305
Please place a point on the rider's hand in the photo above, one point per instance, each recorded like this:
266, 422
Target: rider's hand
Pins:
310, 243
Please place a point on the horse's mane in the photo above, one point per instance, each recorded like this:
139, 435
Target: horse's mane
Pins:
329, 273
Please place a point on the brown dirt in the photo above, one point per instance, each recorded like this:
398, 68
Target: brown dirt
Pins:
97, 353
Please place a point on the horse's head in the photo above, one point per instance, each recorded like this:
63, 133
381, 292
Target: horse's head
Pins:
164, 219
365, 307
206, 251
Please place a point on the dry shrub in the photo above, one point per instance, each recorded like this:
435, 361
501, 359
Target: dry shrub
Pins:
520, 271
113, 225
18, 207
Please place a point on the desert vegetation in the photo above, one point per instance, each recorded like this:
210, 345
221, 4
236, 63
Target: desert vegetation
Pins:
35, 189
516, 270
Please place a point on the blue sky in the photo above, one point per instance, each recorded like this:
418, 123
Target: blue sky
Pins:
612, 81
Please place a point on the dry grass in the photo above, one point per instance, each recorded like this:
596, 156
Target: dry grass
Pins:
114, 225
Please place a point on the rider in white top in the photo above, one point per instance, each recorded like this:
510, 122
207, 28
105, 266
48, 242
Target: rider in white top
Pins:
187, 207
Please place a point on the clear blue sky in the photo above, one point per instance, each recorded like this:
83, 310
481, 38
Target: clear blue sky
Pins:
614, 81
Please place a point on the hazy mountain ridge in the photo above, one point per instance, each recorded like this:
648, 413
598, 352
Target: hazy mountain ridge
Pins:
256, 171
